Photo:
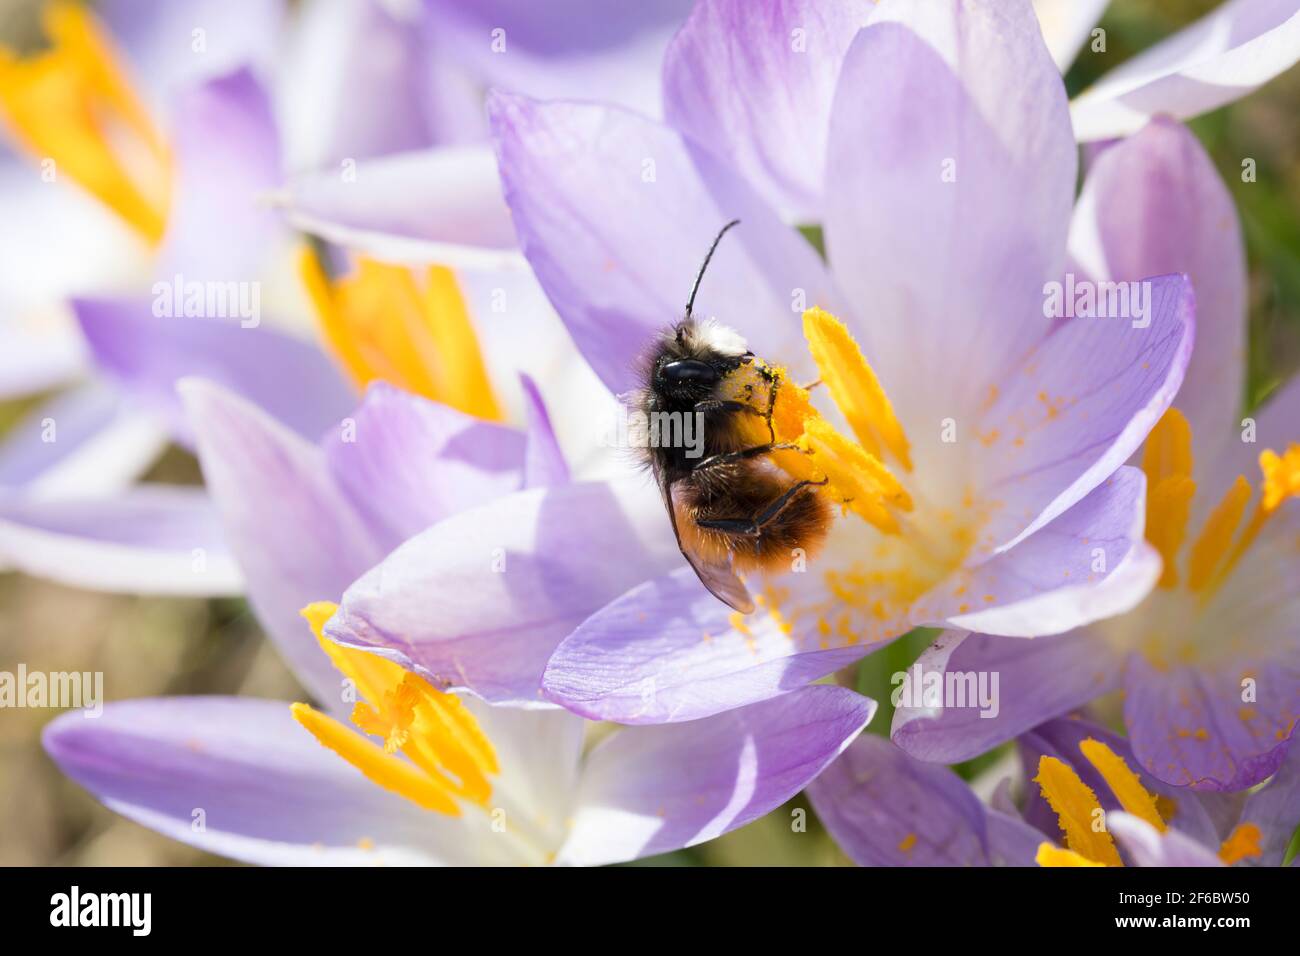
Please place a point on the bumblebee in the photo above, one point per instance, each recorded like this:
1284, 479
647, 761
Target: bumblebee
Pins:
731, 507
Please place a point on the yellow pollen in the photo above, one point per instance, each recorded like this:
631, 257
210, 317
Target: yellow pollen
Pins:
447, 755
1167, 461
383, 323
1077, 809
73, 106
1123, 782
1242, 842
1281, 476
1049, 855
907, 843
854, 387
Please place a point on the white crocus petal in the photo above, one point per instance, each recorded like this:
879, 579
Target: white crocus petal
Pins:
1226, 54
1066, 25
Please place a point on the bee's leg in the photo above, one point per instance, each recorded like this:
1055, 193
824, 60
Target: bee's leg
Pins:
811, 385
753, 527
757, 451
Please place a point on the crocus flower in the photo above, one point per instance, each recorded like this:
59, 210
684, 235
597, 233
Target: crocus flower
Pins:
1086, 806
1208, 662
1026, 523
450, 779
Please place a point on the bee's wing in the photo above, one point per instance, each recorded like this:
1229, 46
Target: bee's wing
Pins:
717, 576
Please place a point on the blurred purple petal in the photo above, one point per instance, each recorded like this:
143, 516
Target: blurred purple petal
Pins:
1036, 680
755, 86
543, 461
648, 790
1275, 809
292, 380
615, 213
151, 539
263, 788
227, 157
480, 600
294, 533
1235, 48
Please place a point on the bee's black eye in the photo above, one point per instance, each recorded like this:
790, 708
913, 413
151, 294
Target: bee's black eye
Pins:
689, 370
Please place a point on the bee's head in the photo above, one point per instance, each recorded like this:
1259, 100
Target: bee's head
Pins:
693, 358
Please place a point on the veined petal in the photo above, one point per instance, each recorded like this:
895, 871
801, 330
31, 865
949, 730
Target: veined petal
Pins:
1073, 409
648, 790
1230, 51
265, 790
885, 809
756, 86
479, 601
1031, 681
669, 651
617, 280
1087, 564
950, 190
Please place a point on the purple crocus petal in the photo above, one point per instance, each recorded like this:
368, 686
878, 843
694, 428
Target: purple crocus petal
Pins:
1078, 406
479, 601
88, 441
648, 790
668, 651
1061, 739
885, 809
1220, 58
435, 205
353, 81
756, 86
1066, 25
618, 279
1012, 841
1089, 563
292, 530
1275, 809
407, 463
38, 358
161, 39
951, 189
1190, 727
567, 48
227, 155
267, 791
1154, 204
1147, 846
152, 539
147, 354
543, 461
1036, 680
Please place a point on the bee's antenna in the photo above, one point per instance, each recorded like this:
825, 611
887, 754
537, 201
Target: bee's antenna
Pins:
690, 303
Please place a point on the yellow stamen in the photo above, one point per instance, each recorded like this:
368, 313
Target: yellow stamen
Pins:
856, 477
1167, 461
447, 749
854, 386
1049, 855
1281, 480
1076, 807
382, 323
1242, 842
1216, 537
72, 104
1123, 782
